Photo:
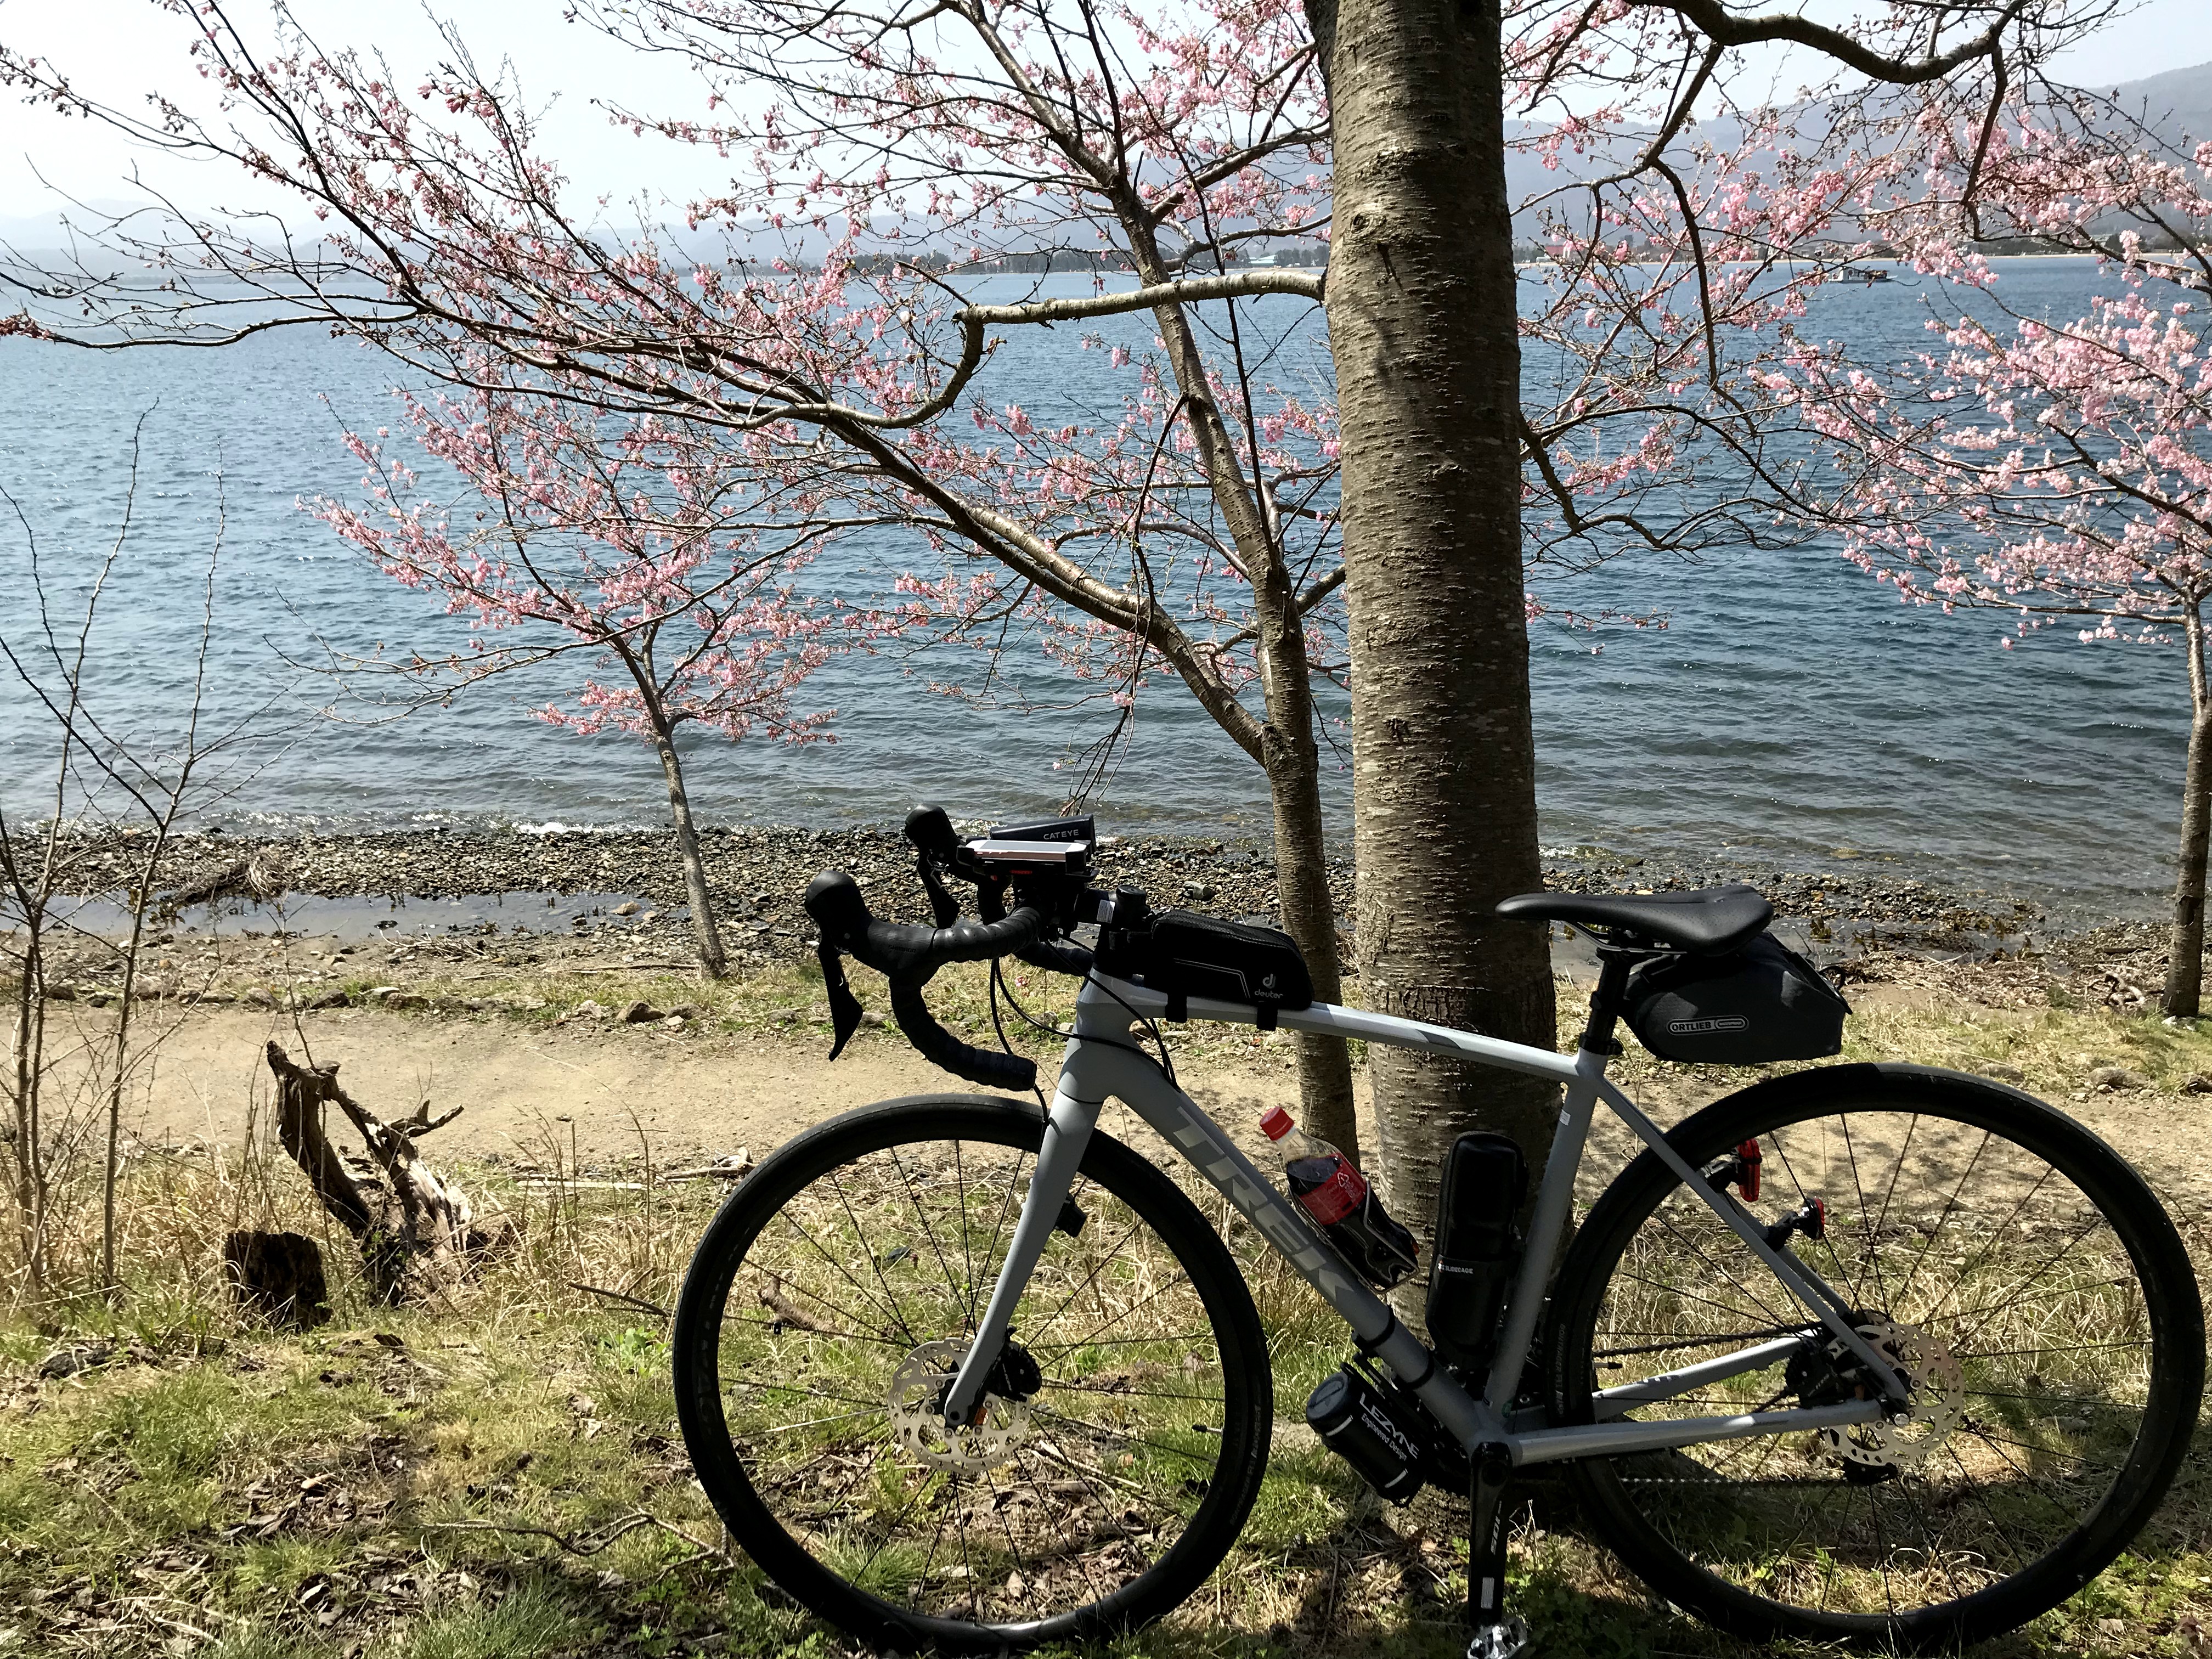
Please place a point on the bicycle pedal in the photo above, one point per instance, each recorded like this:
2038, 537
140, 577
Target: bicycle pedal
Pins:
1507, 1640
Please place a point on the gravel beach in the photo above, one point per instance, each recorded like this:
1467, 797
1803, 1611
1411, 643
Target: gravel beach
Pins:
590, 879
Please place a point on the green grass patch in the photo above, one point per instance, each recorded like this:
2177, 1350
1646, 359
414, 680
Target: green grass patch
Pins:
449, 1481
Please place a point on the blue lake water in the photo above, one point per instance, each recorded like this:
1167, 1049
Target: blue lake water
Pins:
1790, 708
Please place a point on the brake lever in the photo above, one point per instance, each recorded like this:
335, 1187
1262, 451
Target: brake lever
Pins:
844, 1007
931, 831
942, 905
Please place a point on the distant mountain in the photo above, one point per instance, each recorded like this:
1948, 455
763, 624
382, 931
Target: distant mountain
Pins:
2178, 103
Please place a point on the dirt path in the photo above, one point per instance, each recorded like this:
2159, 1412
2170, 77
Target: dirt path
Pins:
708, 1094
694, 1094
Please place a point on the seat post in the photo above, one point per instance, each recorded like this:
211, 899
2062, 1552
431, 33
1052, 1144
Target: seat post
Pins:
1613, 964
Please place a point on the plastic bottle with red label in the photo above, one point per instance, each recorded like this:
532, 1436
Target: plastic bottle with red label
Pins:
1331, 1189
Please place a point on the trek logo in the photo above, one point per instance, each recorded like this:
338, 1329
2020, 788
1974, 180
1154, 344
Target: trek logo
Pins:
1698, 1027
1266, 1208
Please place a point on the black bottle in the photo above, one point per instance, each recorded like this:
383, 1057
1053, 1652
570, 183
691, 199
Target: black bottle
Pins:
1478, 1247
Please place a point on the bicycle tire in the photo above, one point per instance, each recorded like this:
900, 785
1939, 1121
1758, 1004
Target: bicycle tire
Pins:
1690, 1523
789, 1545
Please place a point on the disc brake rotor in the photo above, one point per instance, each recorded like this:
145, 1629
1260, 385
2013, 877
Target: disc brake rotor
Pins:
1937, 1385
918, 1424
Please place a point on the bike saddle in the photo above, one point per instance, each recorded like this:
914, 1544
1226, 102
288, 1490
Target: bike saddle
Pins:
1707, 919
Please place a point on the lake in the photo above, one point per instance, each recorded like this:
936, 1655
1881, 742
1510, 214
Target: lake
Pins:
1791, 713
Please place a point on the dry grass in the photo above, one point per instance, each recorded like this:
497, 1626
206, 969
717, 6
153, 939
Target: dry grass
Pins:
182, 1482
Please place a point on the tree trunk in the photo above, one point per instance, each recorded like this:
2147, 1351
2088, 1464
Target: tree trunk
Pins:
706, 935
1308, 915
141, 898
2184, 970
1423, 328
27, 1077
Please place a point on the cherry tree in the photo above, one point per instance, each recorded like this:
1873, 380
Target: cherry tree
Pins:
1184, 530
1230, 519
2059, 472
635, 548
1693, 171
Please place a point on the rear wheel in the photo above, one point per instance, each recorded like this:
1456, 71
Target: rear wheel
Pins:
1123, 1436
2016, 1270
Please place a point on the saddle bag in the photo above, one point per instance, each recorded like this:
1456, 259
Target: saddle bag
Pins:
1186, 955
1749, 1007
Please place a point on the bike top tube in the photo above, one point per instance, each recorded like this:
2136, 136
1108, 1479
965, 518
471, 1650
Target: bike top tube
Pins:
1328, 1019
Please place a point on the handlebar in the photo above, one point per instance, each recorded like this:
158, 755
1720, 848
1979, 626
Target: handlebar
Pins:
1054, 955
908, 954
901, 950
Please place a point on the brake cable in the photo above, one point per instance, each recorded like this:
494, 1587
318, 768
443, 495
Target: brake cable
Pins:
1163, 1060
998, 984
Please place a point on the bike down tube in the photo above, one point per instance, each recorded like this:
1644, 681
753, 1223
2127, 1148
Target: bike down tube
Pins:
1191, 1132
1100, 1060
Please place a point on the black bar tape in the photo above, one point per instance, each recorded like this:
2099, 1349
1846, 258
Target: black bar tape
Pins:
988, 1066
906, 956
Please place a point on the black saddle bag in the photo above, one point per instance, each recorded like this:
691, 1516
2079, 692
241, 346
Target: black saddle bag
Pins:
1748, 1007
1186, 955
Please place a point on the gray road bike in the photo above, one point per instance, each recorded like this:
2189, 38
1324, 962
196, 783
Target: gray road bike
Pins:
1875, 1353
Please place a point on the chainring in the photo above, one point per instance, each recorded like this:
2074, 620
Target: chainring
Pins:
1001, 1428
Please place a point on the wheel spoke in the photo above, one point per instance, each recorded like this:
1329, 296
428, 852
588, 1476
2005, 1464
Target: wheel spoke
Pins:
2021, 1288
1048, 1503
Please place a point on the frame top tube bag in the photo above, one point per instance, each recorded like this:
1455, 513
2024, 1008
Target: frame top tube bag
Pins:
1186, 955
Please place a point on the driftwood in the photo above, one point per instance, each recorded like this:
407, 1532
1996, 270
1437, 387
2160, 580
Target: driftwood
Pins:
412, 1223
261, 876
278, 1275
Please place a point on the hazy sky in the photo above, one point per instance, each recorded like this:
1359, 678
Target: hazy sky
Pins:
116, 49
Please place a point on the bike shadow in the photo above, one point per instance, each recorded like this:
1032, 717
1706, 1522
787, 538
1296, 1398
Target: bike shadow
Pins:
1394, 1579
1385, 1579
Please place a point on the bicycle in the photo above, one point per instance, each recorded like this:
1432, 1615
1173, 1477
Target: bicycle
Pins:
968, 1372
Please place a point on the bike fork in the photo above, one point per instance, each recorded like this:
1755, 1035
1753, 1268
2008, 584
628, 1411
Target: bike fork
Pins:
1495, 1635
1066, 1136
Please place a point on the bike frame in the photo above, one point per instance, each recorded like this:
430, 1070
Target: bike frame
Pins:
1103, 1061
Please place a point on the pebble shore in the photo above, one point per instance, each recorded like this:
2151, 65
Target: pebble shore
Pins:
758, 873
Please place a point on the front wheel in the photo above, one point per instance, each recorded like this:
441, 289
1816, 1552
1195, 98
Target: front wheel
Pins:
2024, 1279
1123, 1436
